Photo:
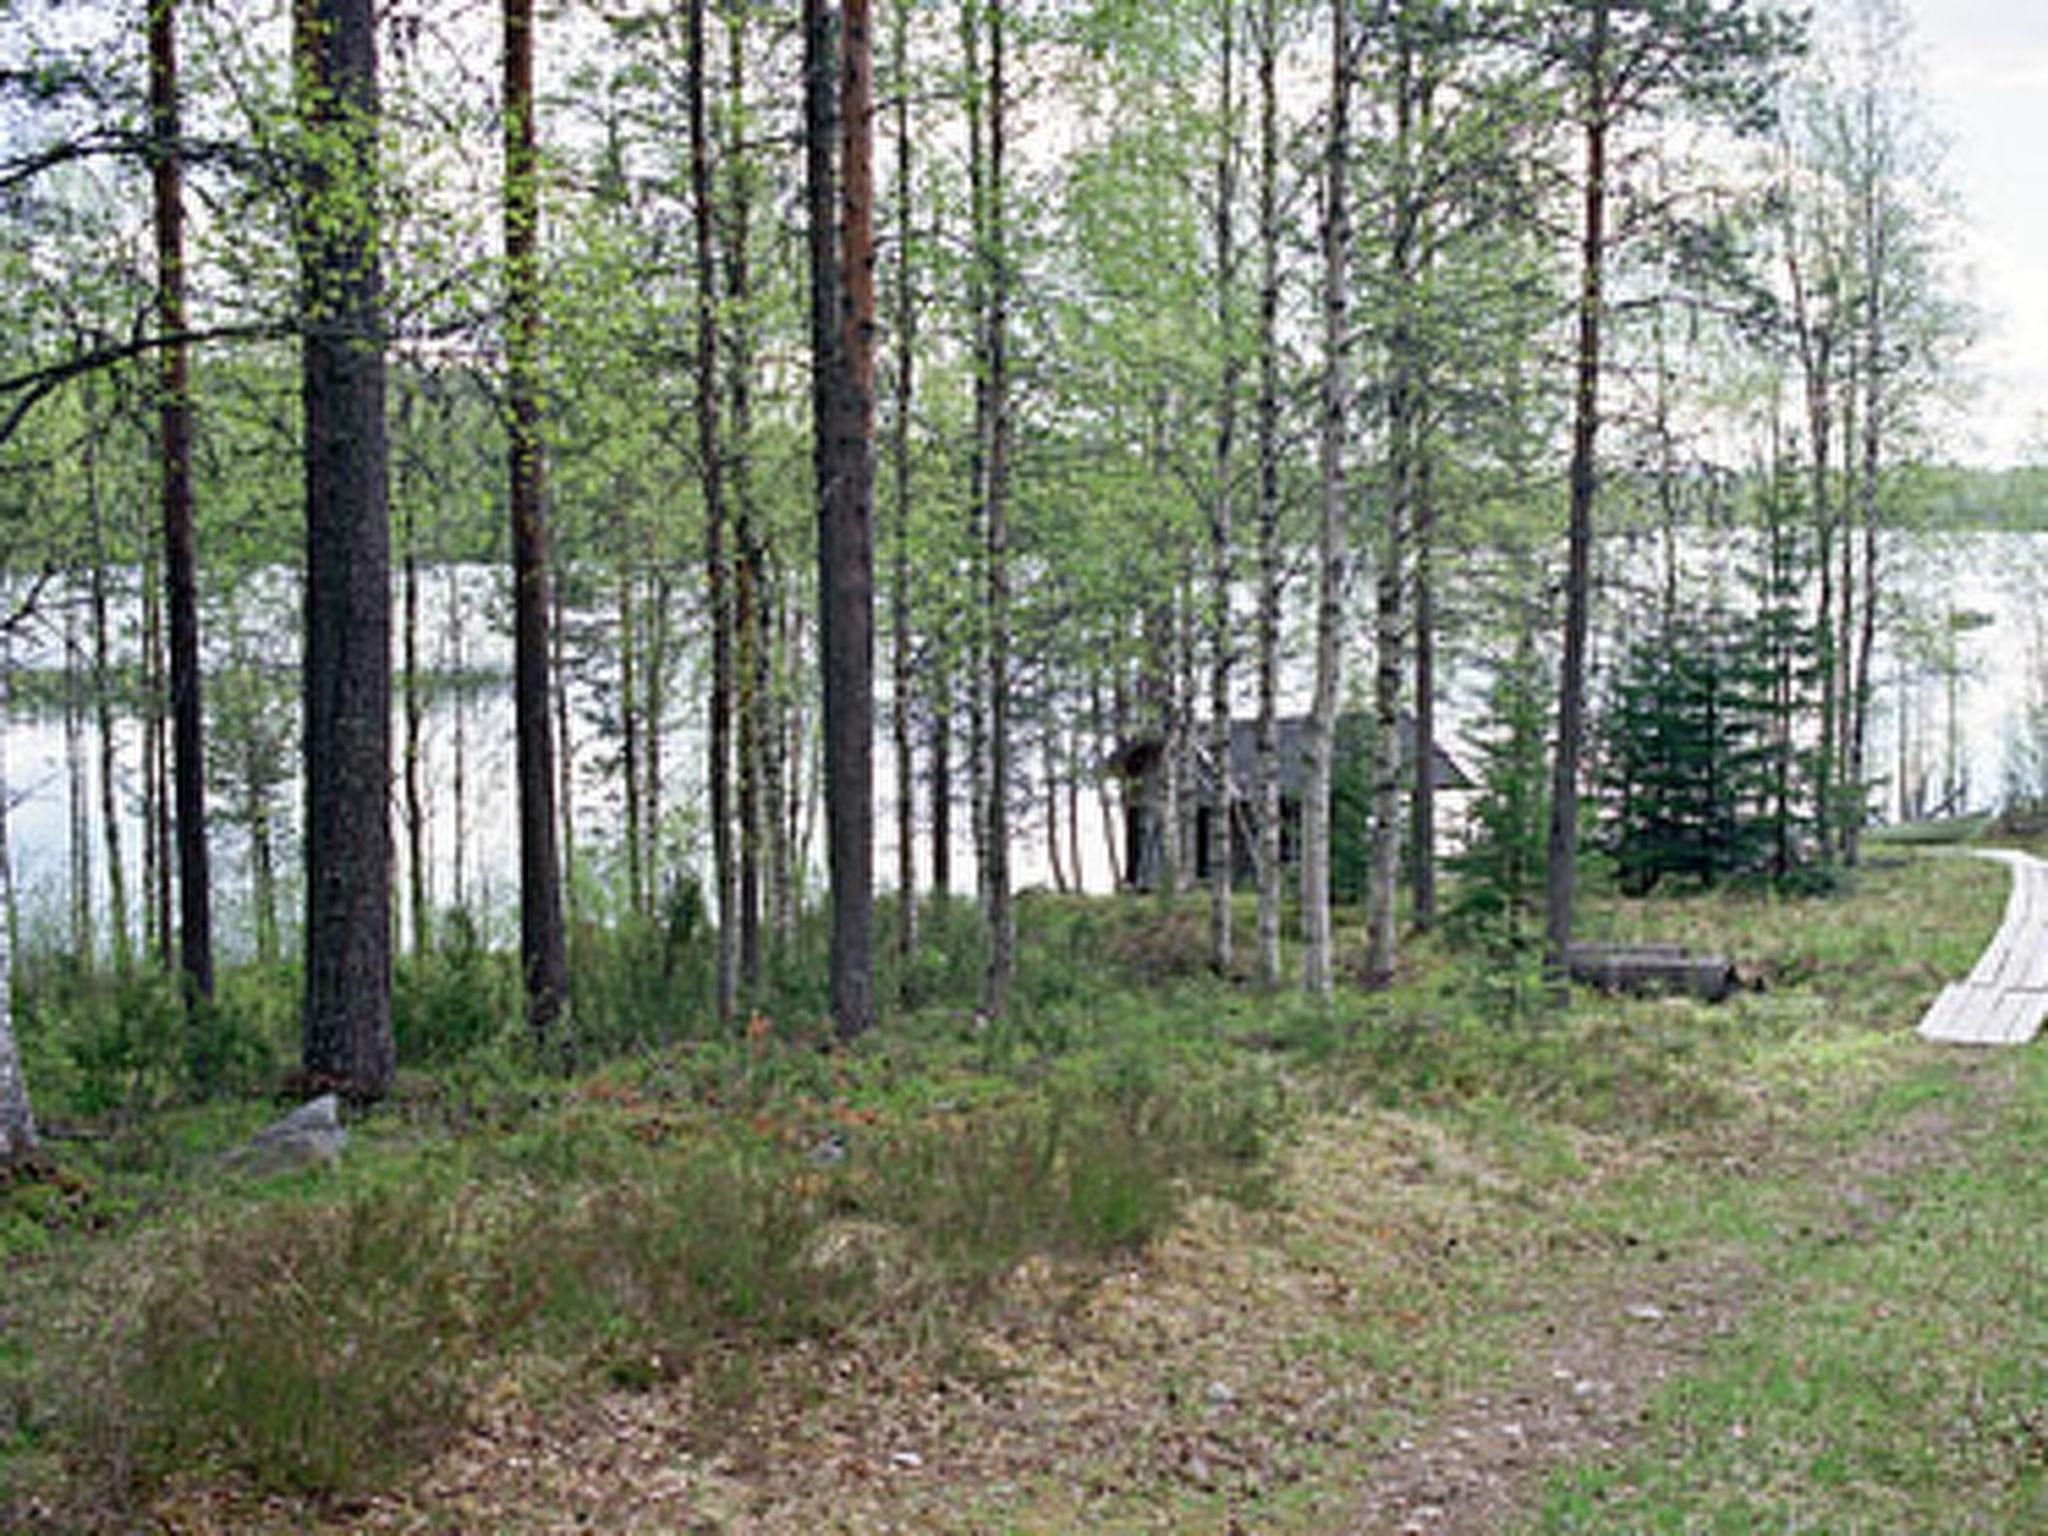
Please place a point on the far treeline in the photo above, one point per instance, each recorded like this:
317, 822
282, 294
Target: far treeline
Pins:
1052, 379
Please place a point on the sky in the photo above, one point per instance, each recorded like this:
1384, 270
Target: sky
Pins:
1987, 81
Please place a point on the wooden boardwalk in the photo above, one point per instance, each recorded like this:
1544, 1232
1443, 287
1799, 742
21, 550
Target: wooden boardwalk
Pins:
2005, 997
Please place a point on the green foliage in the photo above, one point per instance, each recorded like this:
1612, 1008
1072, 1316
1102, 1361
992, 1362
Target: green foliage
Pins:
311, 1347
1682, 765
1500, 869
459, 998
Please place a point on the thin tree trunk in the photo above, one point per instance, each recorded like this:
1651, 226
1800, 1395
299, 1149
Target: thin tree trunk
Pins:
157, 772
655, 656
103, 699
899, 441
783, 786
181, 566
415, 704
18, 1142
458, 787
77, 792
941, 694
1103, 739
1049, 757
1072, 785
1001, 920
542, 943
842, 331
1383, 863
1319, 737
1561, 871
978, 275
1873, 350
1422, 785
1223, 796
717, 577
1266, 794
348, 1039
1816, 364
760, 793
629, 738
1848, 793
563, 727
1866, 641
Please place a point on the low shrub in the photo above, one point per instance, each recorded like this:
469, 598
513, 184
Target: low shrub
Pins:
309, 1346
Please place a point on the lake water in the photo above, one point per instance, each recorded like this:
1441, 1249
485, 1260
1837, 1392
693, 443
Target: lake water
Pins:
1982, 592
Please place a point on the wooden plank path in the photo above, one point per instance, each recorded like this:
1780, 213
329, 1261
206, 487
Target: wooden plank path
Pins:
2004, 999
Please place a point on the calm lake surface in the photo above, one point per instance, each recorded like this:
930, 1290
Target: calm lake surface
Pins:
1975, 598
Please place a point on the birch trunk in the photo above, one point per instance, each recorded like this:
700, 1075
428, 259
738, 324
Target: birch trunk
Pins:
1266, 794
1221, 530
1319, 737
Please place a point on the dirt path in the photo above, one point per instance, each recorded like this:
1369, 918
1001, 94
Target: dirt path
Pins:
1609, 1343
1263, 1370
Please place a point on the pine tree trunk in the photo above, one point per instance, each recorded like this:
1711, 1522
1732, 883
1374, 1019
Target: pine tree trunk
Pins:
842, 332
760, 794
1319, 736
181, 566
1561, 870
1266, 792
347, 1023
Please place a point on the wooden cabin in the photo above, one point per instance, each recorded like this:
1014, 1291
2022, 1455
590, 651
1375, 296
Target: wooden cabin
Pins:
1141, 762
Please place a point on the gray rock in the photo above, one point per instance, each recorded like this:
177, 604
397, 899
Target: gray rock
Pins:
309, 1136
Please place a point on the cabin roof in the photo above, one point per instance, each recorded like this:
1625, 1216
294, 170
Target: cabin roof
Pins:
1138, 756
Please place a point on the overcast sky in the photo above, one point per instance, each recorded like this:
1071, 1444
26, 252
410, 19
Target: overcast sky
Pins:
1987, 74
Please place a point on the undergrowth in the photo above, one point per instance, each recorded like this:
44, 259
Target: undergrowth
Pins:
704, 1199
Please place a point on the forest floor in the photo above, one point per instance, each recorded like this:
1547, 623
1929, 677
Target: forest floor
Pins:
1766, 1265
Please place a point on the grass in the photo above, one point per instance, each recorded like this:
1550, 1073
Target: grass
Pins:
1894, 1384
1342, 1216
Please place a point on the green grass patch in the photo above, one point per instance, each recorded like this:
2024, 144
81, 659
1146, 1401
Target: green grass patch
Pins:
1898, 1384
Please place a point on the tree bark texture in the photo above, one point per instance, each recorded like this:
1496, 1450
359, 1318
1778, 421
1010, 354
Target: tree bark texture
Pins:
347, 1019
1389, 594
1222, 531
718, 584
181, 564
1266, 794
842, 328
901, 658
1002, 935
1319, 737
542, 943
1561, 871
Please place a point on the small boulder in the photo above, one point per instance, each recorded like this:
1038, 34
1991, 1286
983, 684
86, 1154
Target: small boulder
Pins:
311, 1135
